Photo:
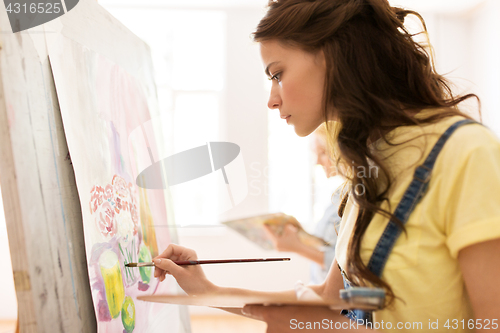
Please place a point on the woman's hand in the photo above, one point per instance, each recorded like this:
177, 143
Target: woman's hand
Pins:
287, 241
190, 278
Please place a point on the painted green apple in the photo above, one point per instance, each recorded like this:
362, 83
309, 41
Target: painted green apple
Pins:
128, 314
145, 256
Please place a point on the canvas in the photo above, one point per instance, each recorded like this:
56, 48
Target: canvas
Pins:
107, 117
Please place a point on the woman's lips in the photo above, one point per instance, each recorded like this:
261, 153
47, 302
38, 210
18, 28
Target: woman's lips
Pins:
286, 117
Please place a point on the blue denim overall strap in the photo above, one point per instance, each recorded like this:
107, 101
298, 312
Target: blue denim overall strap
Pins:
411, 197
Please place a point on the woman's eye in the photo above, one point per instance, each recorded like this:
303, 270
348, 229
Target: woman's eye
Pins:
276, 77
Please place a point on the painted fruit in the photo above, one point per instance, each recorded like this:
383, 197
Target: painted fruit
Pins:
145, 256
113, 283
128, 314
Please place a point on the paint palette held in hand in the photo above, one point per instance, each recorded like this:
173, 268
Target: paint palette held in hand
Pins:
252, 228
236, 301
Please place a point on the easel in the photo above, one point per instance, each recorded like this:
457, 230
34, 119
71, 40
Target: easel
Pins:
42, 209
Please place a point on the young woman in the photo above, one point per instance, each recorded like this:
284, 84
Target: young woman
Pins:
434, 198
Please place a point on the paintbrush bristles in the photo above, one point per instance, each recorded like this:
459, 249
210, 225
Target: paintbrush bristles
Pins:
139, 264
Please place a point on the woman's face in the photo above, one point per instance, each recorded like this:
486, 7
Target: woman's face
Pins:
298, 80
322, 157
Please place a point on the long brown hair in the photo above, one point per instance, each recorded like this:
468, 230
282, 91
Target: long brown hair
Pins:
378, 77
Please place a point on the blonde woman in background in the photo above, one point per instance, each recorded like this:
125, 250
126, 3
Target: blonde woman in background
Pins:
327, 226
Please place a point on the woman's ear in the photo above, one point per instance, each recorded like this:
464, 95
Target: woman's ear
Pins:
321, 59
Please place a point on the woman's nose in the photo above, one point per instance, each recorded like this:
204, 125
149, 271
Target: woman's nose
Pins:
274, 100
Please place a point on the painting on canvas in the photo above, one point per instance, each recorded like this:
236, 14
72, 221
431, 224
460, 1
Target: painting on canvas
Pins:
107, 118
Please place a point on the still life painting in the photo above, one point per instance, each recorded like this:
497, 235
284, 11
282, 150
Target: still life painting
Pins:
107, 115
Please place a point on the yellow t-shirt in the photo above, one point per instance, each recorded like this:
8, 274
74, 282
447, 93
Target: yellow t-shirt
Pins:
461, 208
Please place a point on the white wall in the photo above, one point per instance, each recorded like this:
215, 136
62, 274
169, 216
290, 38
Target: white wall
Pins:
484, 49
465, 35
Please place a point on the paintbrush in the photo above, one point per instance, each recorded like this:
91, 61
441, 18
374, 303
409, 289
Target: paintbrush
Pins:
202, 262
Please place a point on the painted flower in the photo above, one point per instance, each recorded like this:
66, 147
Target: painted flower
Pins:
125, 205
108, 192
125, 227
96, 198
106, 220
118, 204
120, 186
